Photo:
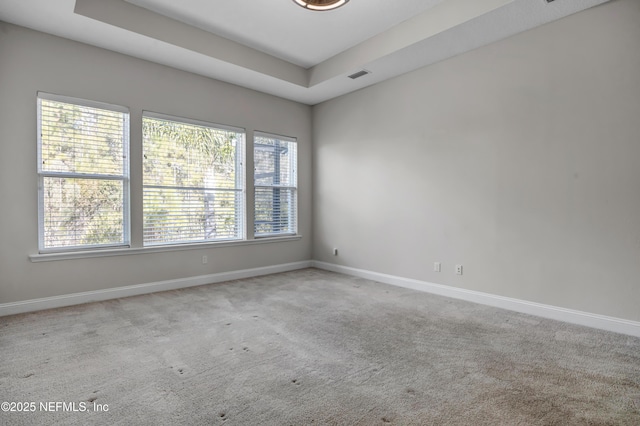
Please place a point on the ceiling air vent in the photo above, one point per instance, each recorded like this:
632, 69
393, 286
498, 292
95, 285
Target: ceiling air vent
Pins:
359, 74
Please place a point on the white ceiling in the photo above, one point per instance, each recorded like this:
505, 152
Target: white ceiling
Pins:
286, 31
276, 47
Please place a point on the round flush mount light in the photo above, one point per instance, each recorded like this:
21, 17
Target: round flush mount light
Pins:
321, 4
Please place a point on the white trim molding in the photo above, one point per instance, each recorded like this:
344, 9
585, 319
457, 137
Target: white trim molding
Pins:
587, 319
136, 290
602, 322
84, 254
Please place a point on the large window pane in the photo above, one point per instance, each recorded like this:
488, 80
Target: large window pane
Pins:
82, 212
185, 215
83, 169
275, 211
80, 139
193, 182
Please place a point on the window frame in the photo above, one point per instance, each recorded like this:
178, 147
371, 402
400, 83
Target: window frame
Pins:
240, 163
293, 212
125, 178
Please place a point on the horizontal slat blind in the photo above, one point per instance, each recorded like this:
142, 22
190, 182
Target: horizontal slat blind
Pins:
193, 182
79, 139
83, 169
82, 212
275, 182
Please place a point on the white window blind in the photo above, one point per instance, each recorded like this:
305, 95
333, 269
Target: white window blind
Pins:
193, 178
83, 170
275, 183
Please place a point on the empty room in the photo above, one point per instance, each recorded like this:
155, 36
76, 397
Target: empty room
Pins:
320, 212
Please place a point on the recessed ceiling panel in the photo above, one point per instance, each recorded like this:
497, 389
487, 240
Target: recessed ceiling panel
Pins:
287, 31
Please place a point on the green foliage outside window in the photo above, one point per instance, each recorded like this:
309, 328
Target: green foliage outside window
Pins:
83, 168
192, 182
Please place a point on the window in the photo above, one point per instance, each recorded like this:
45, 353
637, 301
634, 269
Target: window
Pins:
193, 177
275, 179
83, 171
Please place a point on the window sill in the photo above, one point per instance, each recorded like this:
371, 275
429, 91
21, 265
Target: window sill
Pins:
49, 257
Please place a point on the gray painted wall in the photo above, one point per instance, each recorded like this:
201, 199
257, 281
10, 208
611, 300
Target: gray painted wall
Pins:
519, 160
31, 62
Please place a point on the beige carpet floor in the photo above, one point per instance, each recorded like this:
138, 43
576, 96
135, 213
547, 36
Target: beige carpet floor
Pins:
311, 348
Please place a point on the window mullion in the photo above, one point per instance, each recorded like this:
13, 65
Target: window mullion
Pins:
81, 176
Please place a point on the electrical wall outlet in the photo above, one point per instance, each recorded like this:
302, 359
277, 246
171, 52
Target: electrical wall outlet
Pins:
458, 269
437, 267
205, 260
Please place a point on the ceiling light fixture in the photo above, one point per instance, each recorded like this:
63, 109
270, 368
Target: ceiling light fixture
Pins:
321, 4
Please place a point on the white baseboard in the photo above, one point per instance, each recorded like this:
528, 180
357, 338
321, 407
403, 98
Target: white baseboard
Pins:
587, 319
135, 290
